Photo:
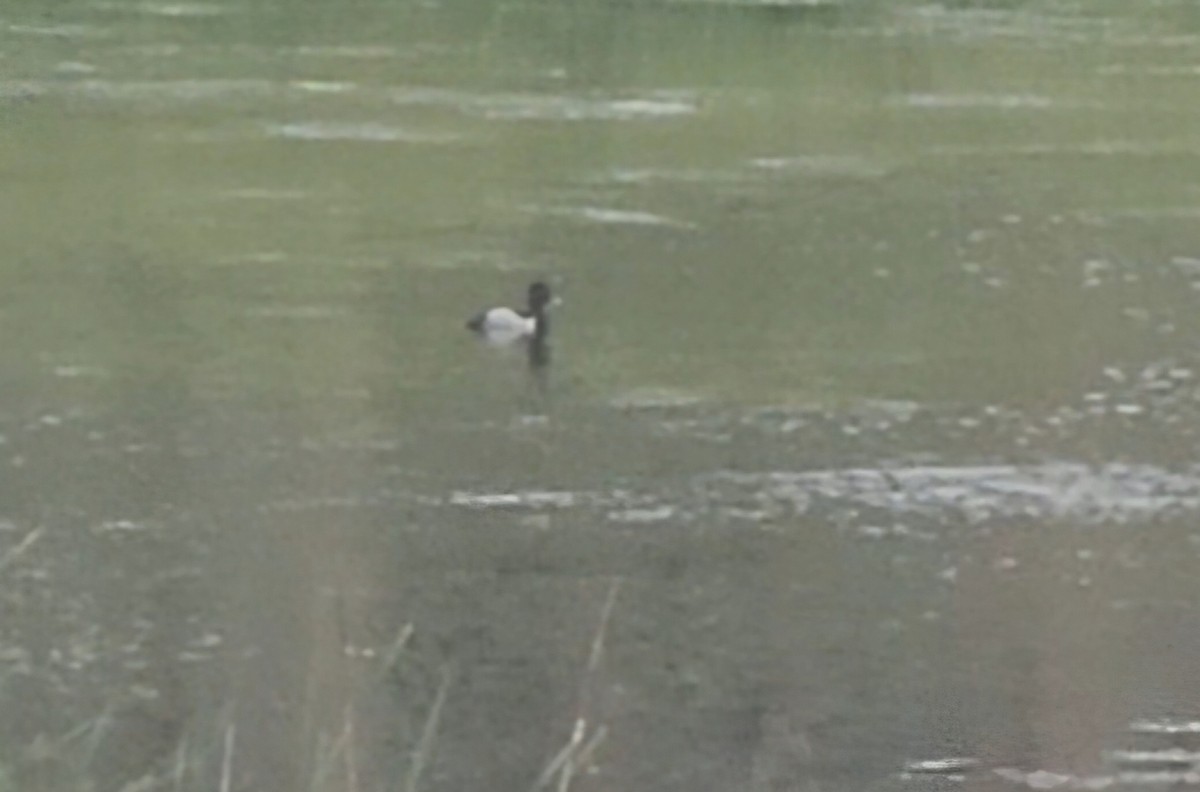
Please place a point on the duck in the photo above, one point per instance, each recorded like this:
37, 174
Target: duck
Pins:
503, 326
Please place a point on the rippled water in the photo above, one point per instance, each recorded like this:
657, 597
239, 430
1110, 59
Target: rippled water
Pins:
867, 457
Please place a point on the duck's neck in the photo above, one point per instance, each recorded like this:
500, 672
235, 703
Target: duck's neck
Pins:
539, 350
541, 324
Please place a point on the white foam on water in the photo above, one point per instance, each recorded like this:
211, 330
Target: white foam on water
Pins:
656, 398
670, 175
324, 86
1165, 726
550, 107
645, 516
1160, 778
367, 132
950, 764
832, 165
1099, 148
173, 10
568, 108
81, 372
1170, 756
74, 68
121, 526
534, 499
985, 101
354, 51
1120, 493
605, 215
60, 31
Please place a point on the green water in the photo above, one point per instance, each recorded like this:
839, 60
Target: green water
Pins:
871, 424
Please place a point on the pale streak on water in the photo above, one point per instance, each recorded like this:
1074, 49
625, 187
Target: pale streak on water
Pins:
870, 436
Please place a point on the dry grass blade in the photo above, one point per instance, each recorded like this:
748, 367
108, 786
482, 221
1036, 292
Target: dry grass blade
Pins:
393, 654
91, 744
605, 614
181, 758
21, 547
578, 751
428, 734
351, 763
584, 754
326, 759
227, 759
561, 758
568, 772
579, 757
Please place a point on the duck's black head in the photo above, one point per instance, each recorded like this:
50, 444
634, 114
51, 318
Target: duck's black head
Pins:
539, 296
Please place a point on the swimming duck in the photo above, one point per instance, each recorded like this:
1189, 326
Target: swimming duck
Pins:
502, 326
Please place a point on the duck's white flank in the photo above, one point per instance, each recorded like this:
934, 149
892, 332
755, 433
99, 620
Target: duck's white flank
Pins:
504, 326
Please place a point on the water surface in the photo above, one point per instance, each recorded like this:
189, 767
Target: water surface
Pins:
867, 458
